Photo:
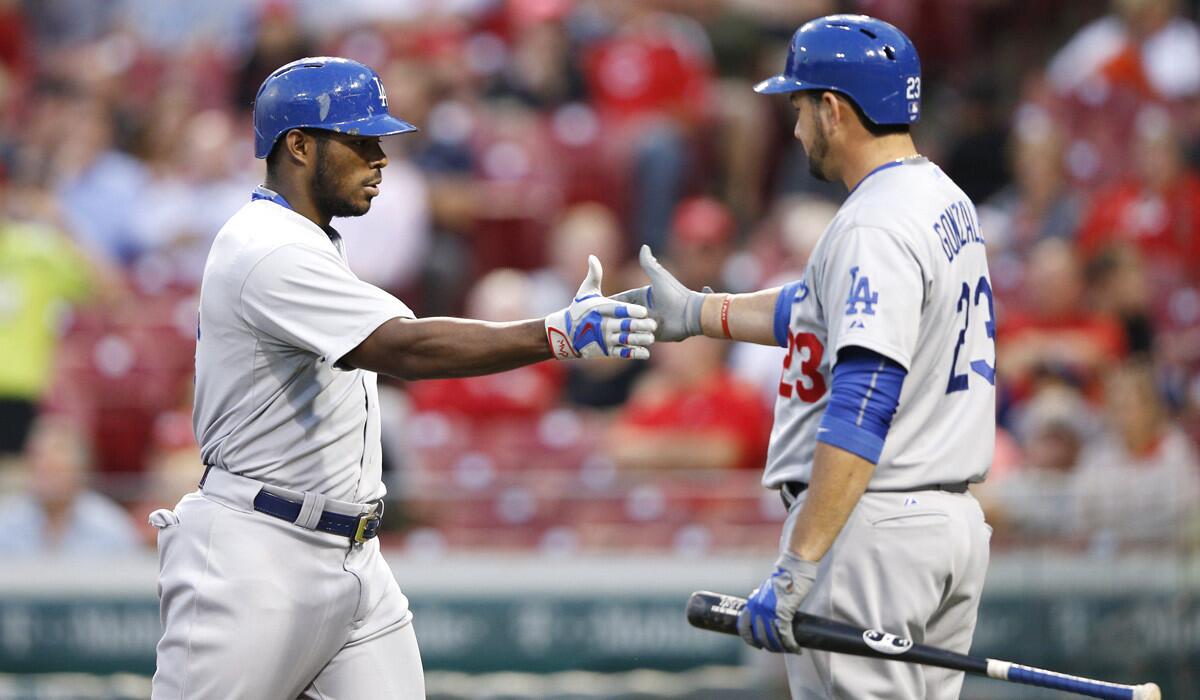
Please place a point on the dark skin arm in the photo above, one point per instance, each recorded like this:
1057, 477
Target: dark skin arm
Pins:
439, 348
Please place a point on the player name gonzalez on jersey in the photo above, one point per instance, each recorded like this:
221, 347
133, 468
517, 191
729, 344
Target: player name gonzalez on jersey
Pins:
271, 581
886, 406
956, 227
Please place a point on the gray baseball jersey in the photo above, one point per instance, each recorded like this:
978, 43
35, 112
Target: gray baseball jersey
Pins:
314, 615
901, 270
279, 307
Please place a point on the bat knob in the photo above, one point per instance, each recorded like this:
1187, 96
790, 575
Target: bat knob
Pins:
1147, 691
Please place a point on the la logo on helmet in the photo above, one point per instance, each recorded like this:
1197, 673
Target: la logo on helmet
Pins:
382, 94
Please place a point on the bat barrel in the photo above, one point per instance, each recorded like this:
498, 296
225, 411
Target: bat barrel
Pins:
714, 611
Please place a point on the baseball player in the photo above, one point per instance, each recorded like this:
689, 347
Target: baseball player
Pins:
885, 411
271, 581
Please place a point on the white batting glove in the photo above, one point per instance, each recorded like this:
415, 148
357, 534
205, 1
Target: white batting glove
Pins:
766, 621
675, 307
596, 326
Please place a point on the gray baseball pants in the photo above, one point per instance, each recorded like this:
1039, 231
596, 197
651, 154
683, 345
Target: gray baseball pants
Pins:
258, 608
911, 564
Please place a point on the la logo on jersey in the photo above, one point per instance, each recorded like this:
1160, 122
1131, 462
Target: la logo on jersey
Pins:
382, 94
860, 293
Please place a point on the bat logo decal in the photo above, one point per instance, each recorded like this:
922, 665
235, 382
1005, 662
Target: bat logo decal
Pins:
729, 605
885, 643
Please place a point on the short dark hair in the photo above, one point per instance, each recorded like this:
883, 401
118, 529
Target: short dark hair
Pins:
274, 157
871, 127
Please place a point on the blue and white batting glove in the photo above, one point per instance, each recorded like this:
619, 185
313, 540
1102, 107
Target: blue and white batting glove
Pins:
596, 326
675, 307
766, 621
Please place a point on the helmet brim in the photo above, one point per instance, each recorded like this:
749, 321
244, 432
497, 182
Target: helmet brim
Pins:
379, 125
780, 84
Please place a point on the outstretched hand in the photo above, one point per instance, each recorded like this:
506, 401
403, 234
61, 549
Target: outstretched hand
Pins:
596, 326
673, 306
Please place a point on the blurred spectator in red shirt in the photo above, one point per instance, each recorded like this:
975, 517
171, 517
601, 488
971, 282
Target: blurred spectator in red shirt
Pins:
689, 412
702, 236
650, 84
16, 49
656, 64
1140, 482
1053, 330
1144, 45
1143, 52
525, 392
1156, 207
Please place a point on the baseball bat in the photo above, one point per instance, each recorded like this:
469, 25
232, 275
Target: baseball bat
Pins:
719, 613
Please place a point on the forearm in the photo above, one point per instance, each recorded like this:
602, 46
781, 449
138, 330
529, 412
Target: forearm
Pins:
747, 317
435, 348
839, 479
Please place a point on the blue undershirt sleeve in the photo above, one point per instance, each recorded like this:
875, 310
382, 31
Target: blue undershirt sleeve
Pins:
783, 312
862, 402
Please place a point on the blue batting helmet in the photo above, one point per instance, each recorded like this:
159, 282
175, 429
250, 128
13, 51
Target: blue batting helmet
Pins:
866, 59
335, 94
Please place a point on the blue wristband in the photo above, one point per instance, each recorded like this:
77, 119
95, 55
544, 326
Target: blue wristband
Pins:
783, 312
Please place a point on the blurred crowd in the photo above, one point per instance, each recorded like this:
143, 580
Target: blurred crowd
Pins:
551, 129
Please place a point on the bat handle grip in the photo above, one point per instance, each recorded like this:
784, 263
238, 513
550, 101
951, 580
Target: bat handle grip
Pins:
1029, 675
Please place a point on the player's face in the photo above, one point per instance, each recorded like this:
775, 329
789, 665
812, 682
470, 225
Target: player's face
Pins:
347, 173
811, 134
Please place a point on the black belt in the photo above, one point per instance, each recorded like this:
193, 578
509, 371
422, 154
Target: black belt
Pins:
359, 528
789, 491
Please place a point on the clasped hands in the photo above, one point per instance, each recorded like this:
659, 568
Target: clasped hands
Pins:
626, 324
593, 325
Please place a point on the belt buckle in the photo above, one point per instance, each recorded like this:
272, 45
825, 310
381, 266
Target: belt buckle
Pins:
368, 524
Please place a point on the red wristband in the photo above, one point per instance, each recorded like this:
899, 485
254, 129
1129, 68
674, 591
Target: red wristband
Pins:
725, 316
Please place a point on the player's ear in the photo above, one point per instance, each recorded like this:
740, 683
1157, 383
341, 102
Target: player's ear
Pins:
298, 146
835, 109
